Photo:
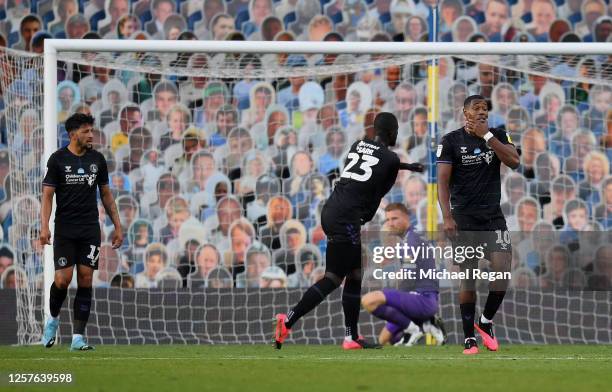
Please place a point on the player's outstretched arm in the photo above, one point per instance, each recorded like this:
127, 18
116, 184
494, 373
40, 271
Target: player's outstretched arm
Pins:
45, 214
108, 201
415, 167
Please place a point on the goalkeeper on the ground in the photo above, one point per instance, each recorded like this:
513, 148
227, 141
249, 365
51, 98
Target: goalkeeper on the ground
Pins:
410, 311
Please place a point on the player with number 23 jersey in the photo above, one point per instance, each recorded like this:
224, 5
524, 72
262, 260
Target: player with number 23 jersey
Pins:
369, 173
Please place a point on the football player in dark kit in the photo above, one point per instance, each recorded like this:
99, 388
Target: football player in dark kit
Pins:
74, 174
469, 191
369, 173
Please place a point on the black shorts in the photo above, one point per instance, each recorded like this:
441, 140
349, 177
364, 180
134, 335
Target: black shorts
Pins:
342, 258
488, 231
76, 244
339, 228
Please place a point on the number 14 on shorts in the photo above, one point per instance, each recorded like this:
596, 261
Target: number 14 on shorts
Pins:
93, 256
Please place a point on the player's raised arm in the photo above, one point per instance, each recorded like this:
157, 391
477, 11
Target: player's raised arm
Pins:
478, 125
108, 201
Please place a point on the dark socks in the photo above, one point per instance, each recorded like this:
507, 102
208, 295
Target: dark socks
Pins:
467, 317
56, 299
311, 298
82, 307
351, 304
494, 300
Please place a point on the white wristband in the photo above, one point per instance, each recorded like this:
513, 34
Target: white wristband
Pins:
488, 136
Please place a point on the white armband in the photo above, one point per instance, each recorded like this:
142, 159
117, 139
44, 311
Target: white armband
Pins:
488, 136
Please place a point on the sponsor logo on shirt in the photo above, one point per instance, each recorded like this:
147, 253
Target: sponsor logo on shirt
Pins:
81, 177
477, 157
68, 169
91, 179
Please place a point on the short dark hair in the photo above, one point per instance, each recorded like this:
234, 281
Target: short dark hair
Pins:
227, 109
77, 120
157, 252
91, 35
186, 36
468, 101
333, 36
122, 279
6, 252
29, 19
39, 38
384, 123
235, 36
570, 37
575, 204
397, 207
477, 36
292, 230
130, 107
418, 111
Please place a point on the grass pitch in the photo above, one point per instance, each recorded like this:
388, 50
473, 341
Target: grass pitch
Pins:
246, 368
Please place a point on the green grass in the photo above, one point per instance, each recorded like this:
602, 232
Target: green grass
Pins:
247, 368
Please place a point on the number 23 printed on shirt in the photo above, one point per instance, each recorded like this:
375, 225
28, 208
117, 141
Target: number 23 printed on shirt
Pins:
367, 161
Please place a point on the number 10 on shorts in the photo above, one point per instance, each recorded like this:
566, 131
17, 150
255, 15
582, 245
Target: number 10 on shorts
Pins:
503, 238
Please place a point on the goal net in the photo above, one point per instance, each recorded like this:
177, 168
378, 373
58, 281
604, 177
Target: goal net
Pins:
220, 164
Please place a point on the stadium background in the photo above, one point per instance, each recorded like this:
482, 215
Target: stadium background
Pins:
259, 188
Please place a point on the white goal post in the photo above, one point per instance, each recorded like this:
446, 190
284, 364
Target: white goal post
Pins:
54, 47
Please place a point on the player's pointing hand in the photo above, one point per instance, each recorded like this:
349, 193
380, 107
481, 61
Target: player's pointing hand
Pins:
117, 238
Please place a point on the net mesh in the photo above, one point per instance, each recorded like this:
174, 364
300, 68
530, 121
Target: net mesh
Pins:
22, 138
220, 164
